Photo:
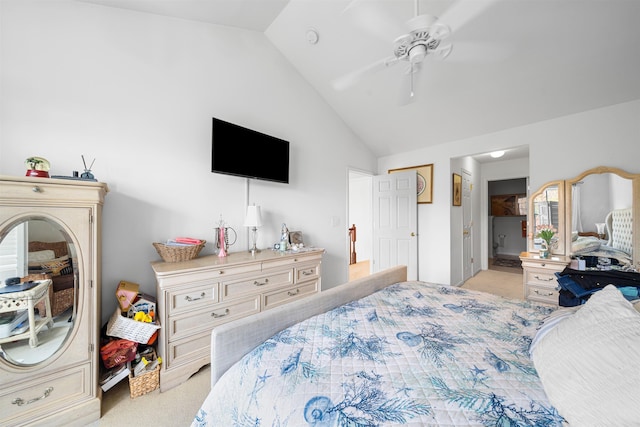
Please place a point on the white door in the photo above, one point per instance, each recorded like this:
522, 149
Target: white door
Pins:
395, 218
467, 227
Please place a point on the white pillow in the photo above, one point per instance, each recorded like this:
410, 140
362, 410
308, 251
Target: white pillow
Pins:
39, 256
584, 245
589, 363
550, 322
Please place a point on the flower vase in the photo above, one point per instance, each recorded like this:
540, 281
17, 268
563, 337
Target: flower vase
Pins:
544, 250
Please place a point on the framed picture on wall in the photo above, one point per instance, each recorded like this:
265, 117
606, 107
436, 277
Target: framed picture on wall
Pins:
424, 186
457, 190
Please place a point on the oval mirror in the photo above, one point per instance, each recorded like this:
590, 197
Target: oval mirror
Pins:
36, 318
546, 208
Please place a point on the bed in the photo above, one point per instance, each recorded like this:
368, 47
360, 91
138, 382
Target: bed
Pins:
618, 248
385, 351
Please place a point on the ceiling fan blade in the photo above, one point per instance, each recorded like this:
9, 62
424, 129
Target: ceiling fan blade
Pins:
478, 53
371, 19
348, 80
442, 51
464, 11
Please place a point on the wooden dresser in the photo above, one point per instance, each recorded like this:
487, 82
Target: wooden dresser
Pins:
539, 280
197, 295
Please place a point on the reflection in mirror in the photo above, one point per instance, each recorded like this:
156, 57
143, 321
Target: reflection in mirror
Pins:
547, 209
36, 320
601, 218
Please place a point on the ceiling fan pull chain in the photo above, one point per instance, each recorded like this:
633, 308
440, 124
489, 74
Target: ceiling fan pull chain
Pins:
411, 82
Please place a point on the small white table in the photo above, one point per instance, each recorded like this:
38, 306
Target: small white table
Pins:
14, 301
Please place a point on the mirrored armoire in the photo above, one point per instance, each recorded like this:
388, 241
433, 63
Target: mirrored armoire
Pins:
50, 233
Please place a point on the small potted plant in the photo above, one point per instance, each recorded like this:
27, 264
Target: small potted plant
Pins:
546, 233
37, 166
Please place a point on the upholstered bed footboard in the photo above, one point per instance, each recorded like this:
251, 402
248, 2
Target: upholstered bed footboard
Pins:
231, 341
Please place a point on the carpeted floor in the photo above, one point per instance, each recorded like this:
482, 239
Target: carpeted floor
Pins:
175, 407
496, 282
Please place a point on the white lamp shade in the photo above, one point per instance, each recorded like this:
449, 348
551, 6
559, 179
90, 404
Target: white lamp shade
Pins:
253, 218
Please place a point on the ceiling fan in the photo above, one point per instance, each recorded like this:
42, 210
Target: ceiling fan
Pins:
424, 37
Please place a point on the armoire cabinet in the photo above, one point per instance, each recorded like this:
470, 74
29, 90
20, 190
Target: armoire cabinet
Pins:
54, 382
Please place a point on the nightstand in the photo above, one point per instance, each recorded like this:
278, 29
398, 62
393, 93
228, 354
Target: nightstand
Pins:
539, 280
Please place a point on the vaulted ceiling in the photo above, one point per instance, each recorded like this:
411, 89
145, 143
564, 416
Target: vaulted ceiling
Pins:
513, 63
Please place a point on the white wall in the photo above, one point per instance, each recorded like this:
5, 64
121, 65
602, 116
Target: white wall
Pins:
137, 92
558, 149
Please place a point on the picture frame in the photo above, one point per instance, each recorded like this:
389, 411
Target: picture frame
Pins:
295, 238
425, 181
457, 190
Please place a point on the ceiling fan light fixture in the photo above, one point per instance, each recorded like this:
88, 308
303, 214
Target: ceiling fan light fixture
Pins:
497, 154
417, 53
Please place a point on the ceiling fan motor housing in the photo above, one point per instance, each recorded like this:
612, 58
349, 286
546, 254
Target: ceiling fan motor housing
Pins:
425, 37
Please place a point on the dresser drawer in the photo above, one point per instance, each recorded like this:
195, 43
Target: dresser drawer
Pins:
540, 277
193, 322
547, 295
307, 272
187, 349
256, 284
282, 296
193, 297
45, 395
301, 258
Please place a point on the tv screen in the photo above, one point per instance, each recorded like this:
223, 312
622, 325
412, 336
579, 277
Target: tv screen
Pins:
236, 150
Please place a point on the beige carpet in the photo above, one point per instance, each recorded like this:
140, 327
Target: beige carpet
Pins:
503, 283
173, 408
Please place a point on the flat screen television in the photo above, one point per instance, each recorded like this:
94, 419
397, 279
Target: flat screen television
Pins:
236, 150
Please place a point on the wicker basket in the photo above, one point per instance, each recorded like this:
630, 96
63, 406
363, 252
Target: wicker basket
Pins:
129, 329
170, 253
145, 383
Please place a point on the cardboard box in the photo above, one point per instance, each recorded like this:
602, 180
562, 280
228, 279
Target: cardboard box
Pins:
126, 293
578, 264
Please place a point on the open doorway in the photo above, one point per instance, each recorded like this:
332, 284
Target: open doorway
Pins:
507, 222
360, 220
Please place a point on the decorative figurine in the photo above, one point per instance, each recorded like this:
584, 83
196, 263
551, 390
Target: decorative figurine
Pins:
37, 166
284, 237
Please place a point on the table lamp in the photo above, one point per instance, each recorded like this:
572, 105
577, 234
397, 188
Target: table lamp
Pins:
253, 220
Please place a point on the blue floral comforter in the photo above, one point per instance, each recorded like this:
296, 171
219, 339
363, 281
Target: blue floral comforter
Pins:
411, 354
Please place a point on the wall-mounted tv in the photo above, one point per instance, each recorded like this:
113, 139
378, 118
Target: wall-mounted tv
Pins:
236, 150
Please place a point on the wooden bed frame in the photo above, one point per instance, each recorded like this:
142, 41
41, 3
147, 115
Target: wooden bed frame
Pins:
231, 341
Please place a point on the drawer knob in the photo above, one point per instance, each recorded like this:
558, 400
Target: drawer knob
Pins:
216, 315
36, 189
19, 401
266, 281
188, 297
544, 294
292, 294
548, 279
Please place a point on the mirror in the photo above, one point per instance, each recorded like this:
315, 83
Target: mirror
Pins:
546, 207
36, 248
602, 204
